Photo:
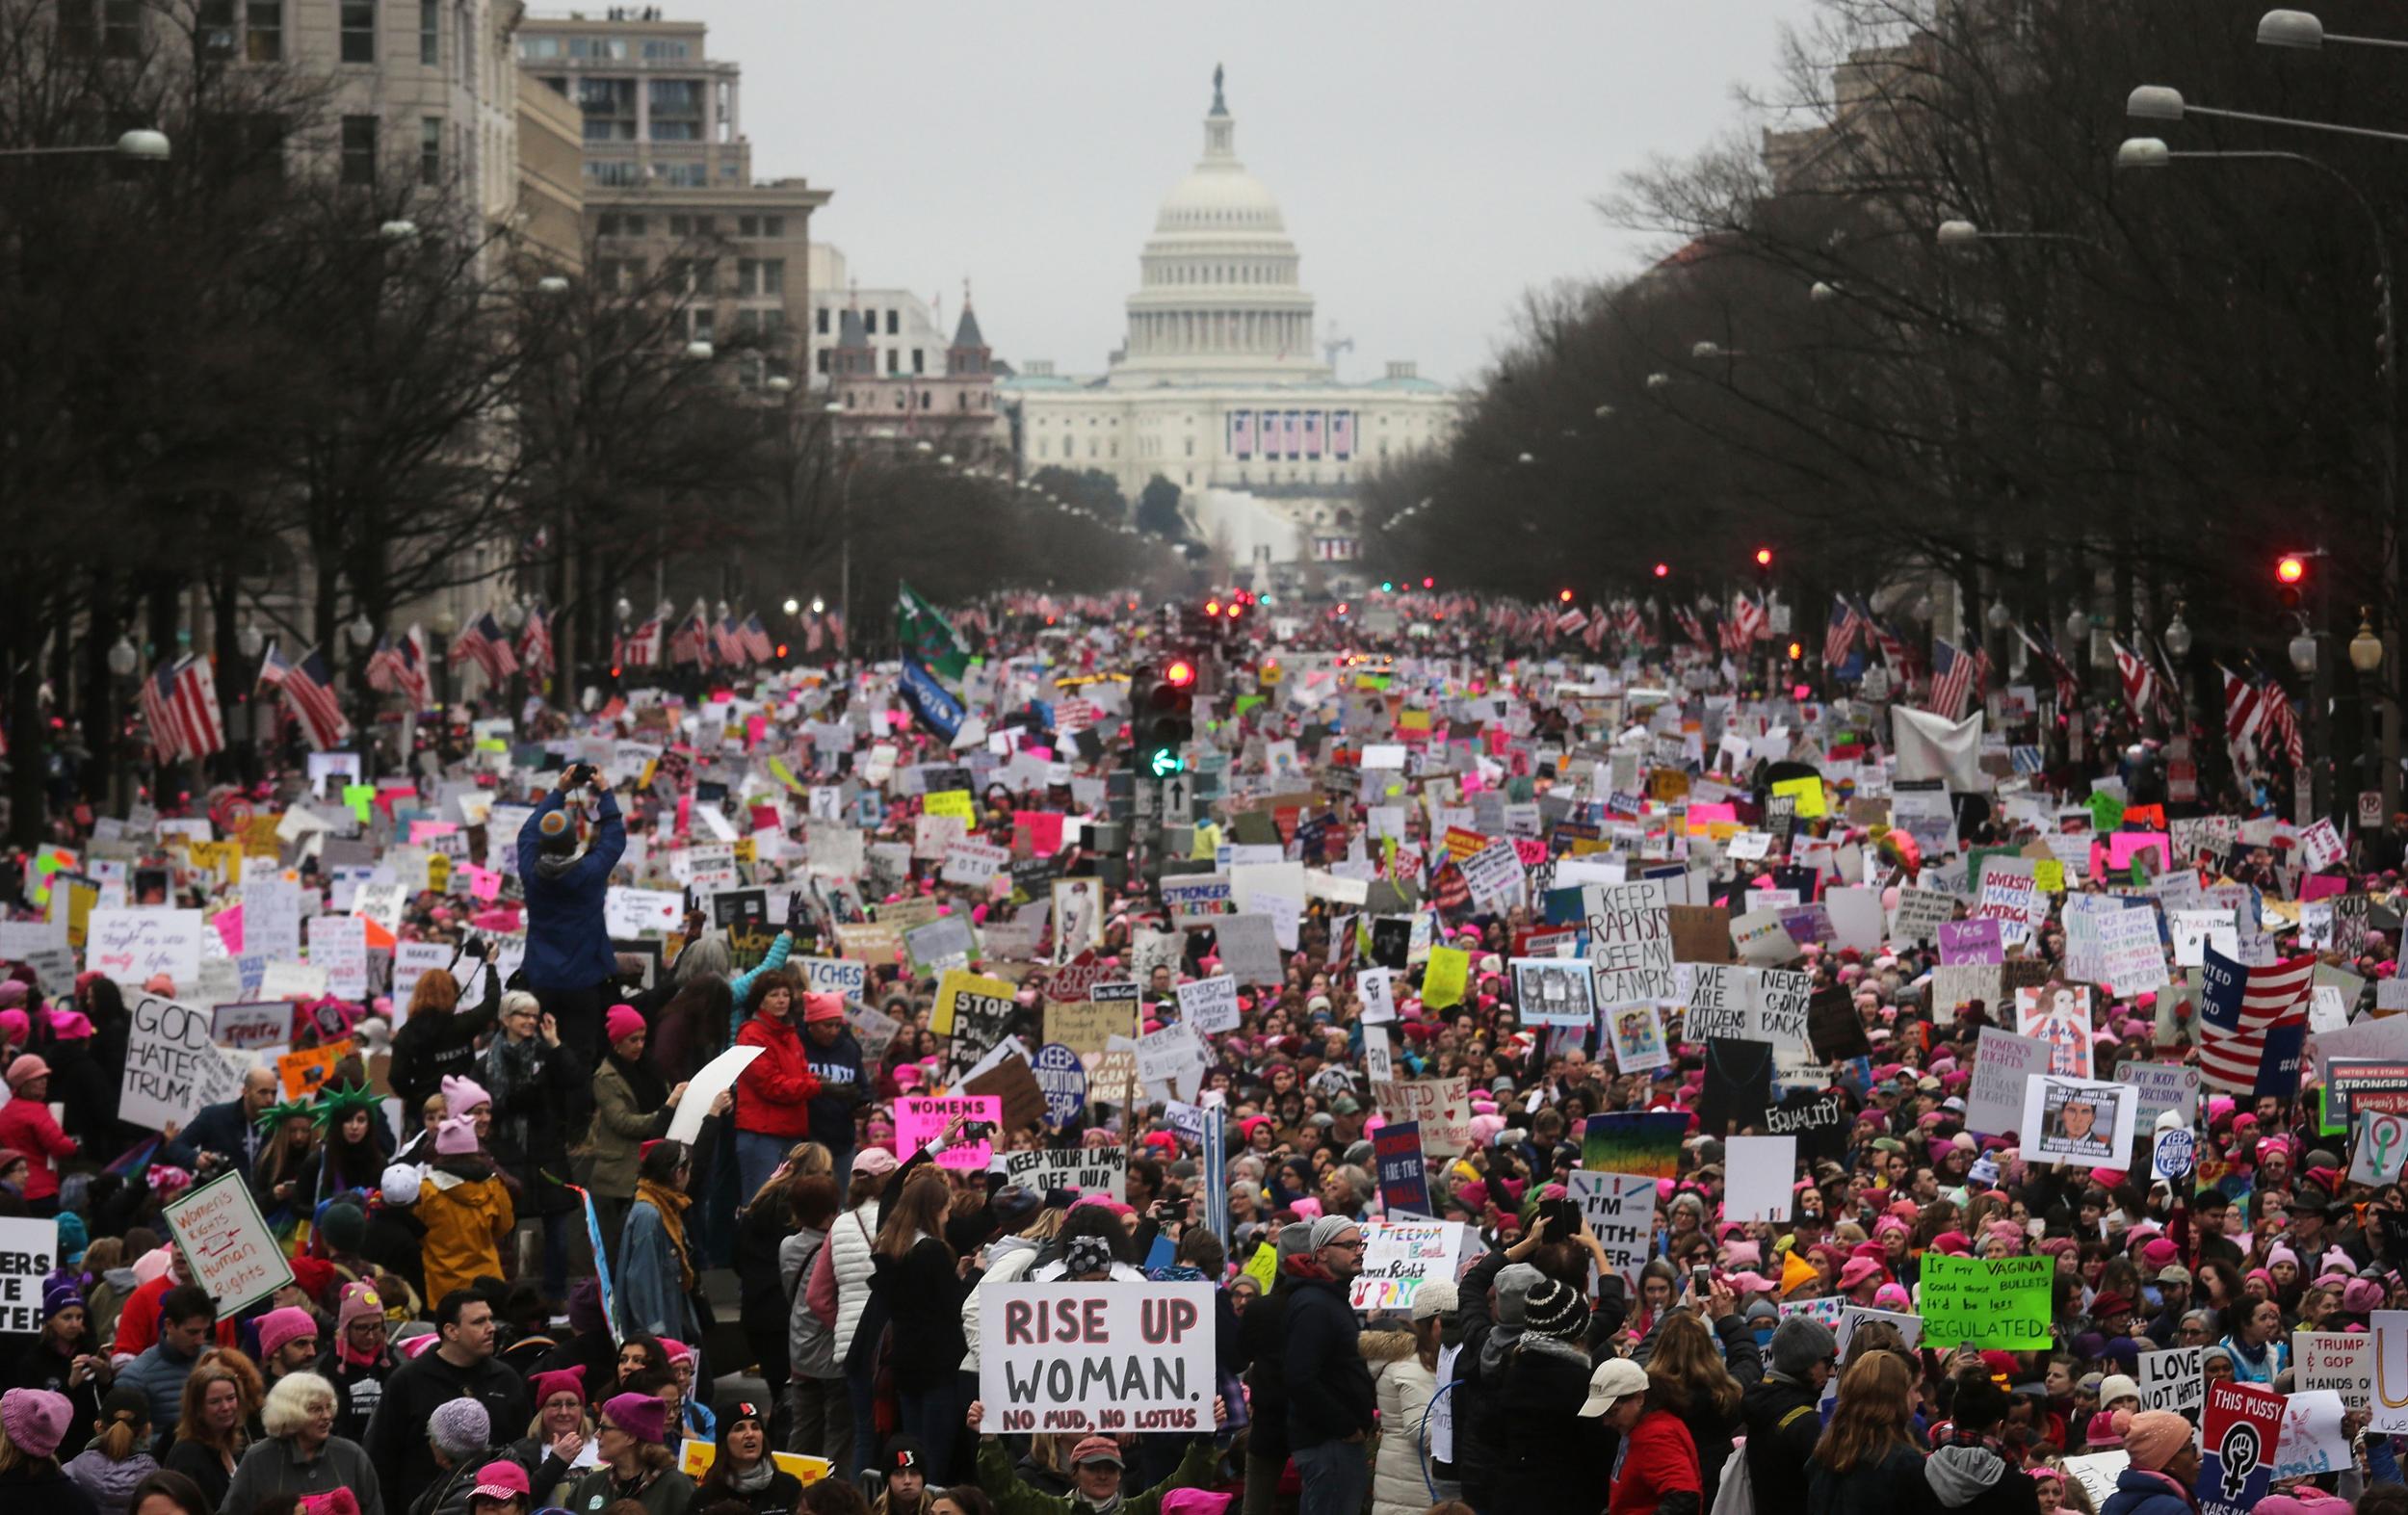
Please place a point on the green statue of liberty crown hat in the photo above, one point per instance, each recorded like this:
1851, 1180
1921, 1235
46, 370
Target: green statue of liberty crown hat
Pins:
275, 1116
338, 1101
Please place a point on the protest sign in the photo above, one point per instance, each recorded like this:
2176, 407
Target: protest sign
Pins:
1758, 1172
710, 1080
265, 1023
1630, 941
1637, 1038
2236, 1439
29, 1253
1063, 1078
1620, 1209
2173, 1380
1089, 1170
1987, 1302
1551, 991
131, 946
2161, 1086
2078, 1122
233, 1254
2312, 1440
832, 976
2340, 1361
1211, 1005
1630, 1141
1404, 1173
985, 997
2059, 1015
338, 948
173, 1065
921, 1118
1398, 1257
2003, 1062
2097, 1474
1443, 1107
1106, 1357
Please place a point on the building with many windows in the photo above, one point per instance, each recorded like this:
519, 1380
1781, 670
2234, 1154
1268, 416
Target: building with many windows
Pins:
1219, 387
668, 177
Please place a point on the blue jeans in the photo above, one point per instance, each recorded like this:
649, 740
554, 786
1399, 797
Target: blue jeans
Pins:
861, 1389
757, 1157
1336, 1476
931, 1417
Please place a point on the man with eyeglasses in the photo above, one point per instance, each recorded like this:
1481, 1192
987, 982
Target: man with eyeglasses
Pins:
1779, 1409
1330, 1400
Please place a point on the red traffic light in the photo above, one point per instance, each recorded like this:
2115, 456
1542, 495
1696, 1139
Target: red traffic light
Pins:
1564, 595
2290, 568
1179, 673
1664, 570
1763, 556
1798, 650
1212, 606
1428, 582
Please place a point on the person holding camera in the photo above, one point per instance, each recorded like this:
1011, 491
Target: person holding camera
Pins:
569, 964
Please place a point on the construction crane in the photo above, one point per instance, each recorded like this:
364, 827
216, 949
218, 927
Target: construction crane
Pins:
1333, 344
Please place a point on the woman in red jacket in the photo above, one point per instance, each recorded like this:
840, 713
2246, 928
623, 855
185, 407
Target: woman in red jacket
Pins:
773, 1093
1655, 1472
26, 1126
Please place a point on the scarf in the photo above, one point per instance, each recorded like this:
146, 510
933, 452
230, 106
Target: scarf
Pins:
644, 1083
754, 1480
1110, 1506
671, 1205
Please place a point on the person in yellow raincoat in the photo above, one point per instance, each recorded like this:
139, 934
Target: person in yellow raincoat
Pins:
466, 1210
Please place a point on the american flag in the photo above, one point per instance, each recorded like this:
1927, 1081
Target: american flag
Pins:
1955, 677
1571, 621
2245, 707
2281, 724
1594, 636
309, 694
1894, 649
1694, 628
1749, 615
2139, 677
179, 703
691, 641
534, 643
836, 629
640, 648
727, 643
2068, 685
812, 634
2247, 1013
399, 668
1634, 625
486, 642
757, 638
1845, 626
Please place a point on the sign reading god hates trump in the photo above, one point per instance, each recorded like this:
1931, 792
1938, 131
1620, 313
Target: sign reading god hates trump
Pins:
1097, 1357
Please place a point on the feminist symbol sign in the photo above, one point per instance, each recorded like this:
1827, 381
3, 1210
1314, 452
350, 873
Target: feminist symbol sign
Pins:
2382, 1150
2238, 1431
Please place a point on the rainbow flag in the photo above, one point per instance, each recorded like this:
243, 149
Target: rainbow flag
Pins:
1633, 1142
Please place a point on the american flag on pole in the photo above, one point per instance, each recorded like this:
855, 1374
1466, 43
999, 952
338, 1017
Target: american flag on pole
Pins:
2281, 724
2245, 707
640, 648
534, 643
486, 642
691, 641
1955, 677
1894, 649
757, 638
399, 668
1846, 625
1692, 628
2139, 677
1594, 637
727, 643
309, 694
179, 704
2068, 685
1572, 620
2252, 1021
1752, 618
836, 629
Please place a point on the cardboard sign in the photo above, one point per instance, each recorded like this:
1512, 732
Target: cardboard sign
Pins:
985, 997
2078, 1122
2340, 1360
1105, 1357
243, 1027
1211, 1005
338, 946
2238, 1437
29, 1253
1620, 1209
173, 1065
1987, 1302
302, 1073
2173, 1380
920, 1118
1088, 1170
233, 1254
1629, 942
130, 945
1398, 1257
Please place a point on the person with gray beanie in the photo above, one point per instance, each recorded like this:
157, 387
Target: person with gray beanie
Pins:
1780, 1410
1331, 1404
461, 1434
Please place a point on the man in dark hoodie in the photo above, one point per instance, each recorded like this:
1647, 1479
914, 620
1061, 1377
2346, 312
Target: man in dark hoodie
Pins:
1965, 1469
1782, 1420
569, 964
1331, 1404
1262, 1339
1489, 1335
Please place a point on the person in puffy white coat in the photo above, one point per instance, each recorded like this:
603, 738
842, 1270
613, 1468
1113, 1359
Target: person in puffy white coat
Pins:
1405, 1376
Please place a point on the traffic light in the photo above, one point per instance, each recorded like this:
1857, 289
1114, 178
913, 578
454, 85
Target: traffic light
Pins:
1664, 570
2291, 576
1163, 717
1798, 650
1563, 596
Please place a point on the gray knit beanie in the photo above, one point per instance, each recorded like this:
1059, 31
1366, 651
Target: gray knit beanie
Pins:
1513, 1291
1798, 1343
459, 1429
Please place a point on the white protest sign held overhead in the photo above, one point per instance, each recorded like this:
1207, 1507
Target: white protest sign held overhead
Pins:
713, 1078
1400, 1256
28, 1254
2173, 1380
1085, 1170
173, 1065
130, 945
1211, 1005
1620, 1209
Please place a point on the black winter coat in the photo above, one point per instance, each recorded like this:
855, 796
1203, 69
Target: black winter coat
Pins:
1552, 1460
1330, 1396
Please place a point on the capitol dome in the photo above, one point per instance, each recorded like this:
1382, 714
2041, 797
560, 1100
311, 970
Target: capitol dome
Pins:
1219, 297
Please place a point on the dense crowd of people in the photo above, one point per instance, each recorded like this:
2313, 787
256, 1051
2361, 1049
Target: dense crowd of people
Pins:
504, 1202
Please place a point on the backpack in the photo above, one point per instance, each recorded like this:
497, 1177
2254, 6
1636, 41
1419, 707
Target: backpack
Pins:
1736, 1496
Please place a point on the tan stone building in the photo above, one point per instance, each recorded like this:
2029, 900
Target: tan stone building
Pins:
668, 177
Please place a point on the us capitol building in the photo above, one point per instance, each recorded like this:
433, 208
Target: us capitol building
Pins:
1220, 387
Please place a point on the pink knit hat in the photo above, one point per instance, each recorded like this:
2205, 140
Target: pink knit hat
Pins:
622, 1022
277, 1328
35, 1420
2153, 1436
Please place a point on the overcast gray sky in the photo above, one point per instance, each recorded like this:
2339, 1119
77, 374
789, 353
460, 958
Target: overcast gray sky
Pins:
1433, 158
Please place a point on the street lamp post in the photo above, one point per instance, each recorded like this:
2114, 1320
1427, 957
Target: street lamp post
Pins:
2366, 654
141, 145
2149, 152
